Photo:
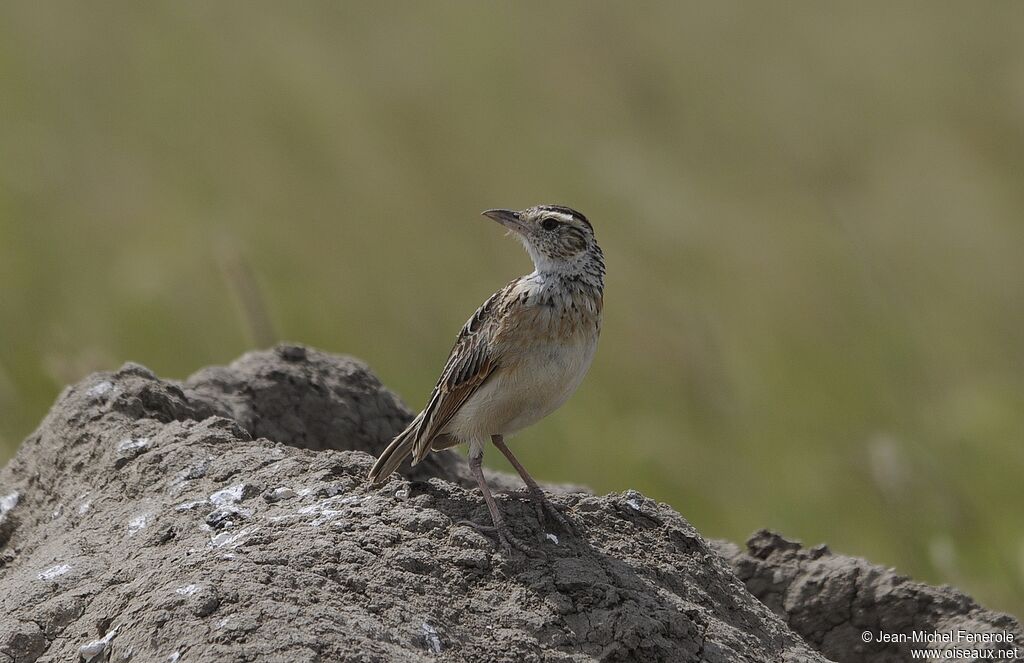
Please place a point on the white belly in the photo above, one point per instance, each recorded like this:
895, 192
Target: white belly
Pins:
516, 398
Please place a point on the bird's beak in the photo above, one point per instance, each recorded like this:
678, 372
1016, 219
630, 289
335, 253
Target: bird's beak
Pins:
505, 217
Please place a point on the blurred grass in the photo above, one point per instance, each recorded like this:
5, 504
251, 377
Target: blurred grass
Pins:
812, 216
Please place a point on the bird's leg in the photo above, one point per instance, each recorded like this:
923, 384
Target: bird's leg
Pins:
540, 503
506, 540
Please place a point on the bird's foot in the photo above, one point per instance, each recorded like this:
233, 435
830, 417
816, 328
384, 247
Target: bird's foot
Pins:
546, 509
506, 541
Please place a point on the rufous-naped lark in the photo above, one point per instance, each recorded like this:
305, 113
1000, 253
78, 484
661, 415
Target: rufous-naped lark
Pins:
519, 356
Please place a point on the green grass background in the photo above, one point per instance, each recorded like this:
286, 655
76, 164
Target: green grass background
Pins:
813, 216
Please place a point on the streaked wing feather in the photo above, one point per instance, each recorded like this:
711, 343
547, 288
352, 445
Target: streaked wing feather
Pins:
471, 361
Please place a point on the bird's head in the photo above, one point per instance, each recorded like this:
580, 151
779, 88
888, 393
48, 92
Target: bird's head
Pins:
559, 239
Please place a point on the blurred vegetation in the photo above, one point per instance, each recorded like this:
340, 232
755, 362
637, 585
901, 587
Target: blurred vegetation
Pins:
812, 215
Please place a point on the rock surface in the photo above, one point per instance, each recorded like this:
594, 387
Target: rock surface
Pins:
226, 518
832, 600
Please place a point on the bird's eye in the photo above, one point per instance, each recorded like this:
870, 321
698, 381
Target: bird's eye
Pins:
549, 224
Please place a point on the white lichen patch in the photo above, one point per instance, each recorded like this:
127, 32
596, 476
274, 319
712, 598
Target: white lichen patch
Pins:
431, 637
188, 506
128, 444
228, 496
325, 517
551, 537
329, 503
97, 648
635, 500
84, 506
327, 510
53, 572
138, 523
8, 502
100, 389
187, 590
232, 539
282, 493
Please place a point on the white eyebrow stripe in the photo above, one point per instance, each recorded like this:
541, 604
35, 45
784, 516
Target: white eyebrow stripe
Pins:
566, 214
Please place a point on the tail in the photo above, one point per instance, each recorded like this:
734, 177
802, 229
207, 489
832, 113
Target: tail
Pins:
396, 452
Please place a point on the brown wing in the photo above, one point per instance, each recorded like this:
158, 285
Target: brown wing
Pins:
471, 362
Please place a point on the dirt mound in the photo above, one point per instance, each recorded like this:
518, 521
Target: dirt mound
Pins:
226, 518
832, 600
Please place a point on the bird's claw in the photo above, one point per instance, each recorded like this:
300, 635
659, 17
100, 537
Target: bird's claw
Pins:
506, 541
545, 509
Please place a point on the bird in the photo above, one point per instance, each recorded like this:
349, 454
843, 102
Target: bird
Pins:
517, 359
